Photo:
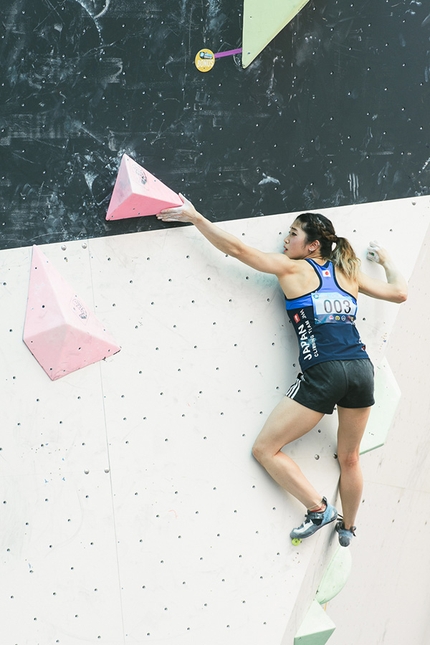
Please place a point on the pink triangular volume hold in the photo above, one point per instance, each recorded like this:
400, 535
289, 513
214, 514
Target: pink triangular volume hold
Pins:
137, 193
60, 330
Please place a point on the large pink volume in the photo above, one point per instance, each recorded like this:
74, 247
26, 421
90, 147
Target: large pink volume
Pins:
137, 193
60, 330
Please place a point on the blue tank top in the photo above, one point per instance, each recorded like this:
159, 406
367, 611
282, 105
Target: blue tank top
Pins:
324, 321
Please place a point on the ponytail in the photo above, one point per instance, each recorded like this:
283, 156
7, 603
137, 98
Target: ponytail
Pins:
334, 248
344, 258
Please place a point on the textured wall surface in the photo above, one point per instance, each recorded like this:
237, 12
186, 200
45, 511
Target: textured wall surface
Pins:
385, 601
334, 111
131, 508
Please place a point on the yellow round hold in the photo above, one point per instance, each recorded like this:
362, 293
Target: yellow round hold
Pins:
204, 60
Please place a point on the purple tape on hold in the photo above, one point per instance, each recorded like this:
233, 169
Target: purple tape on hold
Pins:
231, 52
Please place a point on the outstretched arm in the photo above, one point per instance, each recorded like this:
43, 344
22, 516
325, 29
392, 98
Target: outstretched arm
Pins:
275, 263
394, 290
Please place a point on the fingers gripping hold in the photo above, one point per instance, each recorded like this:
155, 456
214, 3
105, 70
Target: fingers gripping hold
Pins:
372, 251
182, 213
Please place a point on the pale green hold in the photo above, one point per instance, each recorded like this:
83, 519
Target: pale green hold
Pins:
335, 576
387, 397
316, 628
262, 21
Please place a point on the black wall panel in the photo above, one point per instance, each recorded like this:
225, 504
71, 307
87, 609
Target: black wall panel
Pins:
334, 111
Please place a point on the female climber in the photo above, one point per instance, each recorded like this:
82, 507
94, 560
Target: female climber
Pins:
320, 276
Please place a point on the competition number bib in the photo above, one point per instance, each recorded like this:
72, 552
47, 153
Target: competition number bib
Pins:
332, 307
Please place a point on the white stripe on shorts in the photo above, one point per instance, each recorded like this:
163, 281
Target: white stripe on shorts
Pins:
294, 388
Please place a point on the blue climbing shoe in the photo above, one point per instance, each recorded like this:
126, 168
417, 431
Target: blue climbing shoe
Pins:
345, 535
314, 521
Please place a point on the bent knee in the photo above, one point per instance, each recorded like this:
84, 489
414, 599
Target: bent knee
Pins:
258, 451
349, 460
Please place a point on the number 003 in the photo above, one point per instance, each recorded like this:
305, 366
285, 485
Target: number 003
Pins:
337, 306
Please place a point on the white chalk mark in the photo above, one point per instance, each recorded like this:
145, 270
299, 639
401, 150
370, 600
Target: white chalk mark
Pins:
103, 11
426, 164
83, 5
269, 180
354, 184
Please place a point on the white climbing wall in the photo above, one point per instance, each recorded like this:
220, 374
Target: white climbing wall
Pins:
386, 599
131, 510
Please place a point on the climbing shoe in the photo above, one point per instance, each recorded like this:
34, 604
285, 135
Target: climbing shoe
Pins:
345, 535
314, 520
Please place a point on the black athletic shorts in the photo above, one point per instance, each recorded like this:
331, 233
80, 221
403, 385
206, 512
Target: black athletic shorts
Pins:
349, 384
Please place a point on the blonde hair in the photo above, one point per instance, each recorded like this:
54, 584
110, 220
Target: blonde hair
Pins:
334, 248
